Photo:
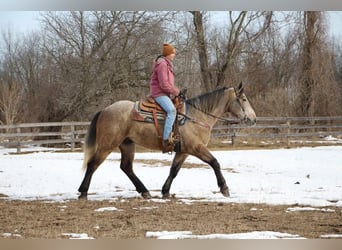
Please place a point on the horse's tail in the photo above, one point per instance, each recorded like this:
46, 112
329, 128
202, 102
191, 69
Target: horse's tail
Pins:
90, 141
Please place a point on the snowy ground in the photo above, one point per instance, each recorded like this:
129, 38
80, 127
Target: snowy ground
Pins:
309, 177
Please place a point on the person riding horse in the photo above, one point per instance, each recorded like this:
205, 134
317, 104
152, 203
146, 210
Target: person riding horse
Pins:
114, 127
163, 90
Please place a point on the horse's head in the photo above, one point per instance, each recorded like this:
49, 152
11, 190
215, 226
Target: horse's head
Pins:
239, 105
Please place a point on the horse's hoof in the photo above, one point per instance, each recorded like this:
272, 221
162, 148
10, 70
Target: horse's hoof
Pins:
166, 196
83, 196
225, 192
146, 195
169, 196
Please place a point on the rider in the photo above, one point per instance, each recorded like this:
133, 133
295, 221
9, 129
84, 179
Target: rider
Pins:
163, 90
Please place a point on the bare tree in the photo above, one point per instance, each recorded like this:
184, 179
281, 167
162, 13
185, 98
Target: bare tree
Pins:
318, 90
312, 32
11, 96
11, 91
202, 49
238, 33
83, 61
101, 56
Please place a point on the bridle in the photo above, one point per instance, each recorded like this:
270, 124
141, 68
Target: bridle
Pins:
220, 118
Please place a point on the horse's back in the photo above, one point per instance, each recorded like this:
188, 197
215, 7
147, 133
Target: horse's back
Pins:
117, 113
120, 106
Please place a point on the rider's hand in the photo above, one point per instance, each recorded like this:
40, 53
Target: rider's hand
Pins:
182, 94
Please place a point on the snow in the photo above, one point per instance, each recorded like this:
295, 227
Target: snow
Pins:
104, 209
305, 179
301, 176
309, 209
78, 236
331, 236
10, 235
250, 235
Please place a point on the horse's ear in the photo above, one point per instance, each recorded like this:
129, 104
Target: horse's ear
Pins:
239, 89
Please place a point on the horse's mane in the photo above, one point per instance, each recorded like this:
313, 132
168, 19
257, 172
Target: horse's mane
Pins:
208, 101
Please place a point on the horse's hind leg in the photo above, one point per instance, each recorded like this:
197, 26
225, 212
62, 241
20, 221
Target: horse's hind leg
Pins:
127, 149
93, 163
177, 162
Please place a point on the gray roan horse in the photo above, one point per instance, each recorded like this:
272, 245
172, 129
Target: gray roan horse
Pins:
114, 127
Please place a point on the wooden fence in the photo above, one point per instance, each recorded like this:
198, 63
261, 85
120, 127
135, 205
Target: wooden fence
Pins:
71, 134
284, 129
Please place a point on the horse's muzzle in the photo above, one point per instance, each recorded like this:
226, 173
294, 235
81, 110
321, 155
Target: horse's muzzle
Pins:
249, 122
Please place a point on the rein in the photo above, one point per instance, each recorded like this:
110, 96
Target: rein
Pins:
220, 118
195, 121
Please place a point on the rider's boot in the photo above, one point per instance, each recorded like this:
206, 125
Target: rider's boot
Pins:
167, 146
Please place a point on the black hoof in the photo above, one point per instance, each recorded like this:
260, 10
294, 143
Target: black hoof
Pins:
166, 196
146, 195
83, 196
225, 192
169, 196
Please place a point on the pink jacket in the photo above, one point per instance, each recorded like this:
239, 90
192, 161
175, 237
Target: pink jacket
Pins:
162, 80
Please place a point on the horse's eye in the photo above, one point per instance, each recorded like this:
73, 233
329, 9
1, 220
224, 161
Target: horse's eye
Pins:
244, 99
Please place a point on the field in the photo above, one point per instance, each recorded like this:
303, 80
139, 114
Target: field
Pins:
134, 218
275, 193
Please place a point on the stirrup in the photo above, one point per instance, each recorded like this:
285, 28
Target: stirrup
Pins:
167, 146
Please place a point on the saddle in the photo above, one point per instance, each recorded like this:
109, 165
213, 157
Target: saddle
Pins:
143, 111
148, 110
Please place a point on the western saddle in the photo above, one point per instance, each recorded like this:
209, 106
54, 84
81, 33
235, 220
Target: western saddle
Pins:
148, 110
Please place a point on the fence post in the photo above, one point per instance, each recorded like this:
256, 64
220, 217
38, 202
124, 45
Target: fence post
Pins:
18, 141
288, 125
72, 137
233, 138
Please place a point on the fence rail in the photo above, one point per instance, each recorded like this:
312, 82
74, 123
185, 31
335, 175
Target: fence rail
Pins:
71, 134
285, 128
51, 133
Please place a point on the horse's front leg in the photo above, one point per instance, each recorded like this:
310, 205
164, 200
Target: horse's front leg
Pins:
177, 162
203, 153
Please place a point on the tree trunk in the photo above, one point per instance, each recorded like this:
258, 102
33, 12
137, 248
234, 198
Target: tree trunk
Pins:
202, 50
311, 43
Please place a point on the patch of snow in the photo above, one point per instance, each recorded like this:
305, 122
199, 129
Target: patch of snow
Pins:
250, 235
331, 236
105, 209
168, 234
255, 209
8, 235
309, 209
81, 236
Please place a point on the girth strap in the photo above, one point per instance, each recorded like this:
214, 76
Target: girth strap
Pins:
155, 120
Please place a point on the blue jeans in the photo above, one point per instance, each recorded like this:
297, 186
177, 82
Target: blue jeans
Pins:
166, 103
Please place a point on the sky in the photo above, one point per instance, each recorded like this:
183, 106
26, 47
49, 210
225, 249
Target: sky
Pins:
26, 21
19, 21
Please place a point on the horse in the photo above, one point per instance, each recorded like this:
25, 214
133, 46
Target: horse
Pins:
113, 127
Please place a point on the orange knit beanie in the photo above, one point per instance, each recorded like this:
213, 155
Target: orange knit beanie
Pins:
168, 49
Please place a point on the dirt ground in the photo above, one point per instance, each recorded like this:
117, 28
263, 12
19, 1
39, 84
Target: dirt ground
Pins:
135, 217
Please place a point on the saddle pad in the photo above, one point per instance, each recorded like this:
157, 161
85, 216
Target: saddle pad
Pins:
145, 115
148, 104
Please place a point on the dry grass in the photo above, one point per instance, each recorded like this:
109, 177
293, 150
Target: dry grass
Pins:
39, 219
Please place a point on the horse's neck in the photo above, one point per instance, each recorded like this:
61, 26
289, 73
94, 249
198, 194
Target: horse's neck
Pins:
210, 116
